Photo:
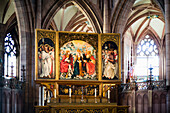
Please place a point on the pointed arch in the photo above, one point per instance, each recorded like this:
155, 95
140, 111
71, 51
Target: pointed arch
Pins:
139, 104
145, 103
148, 31
163, 103
94, 18
156, 103
129, 103
5, 102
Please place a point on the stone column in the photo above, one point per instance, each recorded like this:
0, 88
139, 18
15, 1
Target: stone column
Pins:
122, 64
38, 17
2, 36
38, 89
161, 77
106, 17
150, 101
24, 41
135, 47
167, 40
133, 101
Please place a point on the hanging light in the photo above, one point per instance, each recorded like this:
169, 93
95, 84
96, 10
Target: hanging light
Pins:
152, 16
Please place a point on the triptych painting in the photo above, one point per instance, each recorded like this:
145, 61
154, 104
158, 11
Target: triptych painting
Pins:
77, 56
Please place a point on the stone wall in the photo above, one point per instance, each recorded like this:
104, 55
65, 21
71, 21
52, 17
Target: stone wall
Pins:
12, 95
144, 100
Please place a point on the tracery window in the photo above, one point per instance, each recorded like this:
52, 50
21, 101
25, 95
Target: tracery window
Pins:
147, 56
9, 57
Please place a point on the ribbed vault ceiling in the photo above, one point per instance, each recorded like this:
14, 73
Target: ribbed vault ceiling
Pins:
71, 18
6, 10
145, 15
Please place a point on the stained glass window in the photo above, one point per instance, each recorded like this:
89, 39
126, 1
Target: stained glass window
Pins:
147, 56
10, 57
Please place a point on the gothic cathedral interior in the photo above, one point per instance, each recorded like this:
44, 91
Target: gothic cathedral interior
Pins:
84, 56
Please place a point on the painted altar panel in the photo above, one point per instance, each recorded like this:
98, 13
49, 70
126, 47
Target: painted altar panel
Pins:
78, 56
45, 54
88, 90
110, 56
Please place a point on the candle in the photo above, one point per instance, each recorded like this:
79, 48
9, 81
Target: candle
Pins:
108, 94
69, 92
43, 40
40, 96
48, 100
43, 95
54, 93
82, 89
12, 69
95, 92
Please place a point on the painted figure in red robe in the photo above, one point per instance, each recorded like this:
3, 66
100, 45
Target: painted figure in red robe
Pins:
66, 65
89, 63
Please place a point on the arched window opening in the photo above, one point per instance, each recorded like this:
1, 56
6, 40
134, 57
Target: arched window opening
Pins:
9, 57
147, 56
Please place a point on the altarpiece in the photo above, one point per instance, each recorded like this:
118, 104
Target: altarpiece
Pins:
72, 65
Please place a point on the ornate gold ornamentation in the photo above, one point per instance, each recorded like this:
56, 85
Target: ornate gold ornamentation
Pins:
122, 111
46, 34
44, 111
85, 111
93, 108
106, 87
58, 111
111, 37
92, 39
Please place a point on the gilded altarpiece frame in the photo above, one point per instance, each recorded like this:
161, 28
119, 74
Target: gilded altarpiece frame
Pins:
67, 41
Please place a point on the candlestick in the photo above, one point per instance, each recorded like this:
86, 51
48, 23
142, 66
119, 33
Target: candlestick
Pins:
22, 78
12, 69
82, 100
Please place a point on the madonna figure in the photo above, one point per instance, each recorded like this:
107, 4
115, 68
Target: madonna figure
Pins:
78, 65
